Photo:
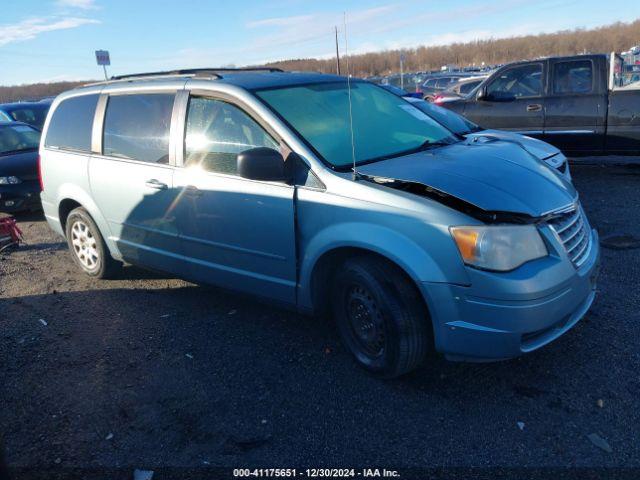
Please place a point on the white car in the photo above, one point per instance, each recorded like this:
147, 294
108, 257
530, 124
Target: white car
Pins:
455, 122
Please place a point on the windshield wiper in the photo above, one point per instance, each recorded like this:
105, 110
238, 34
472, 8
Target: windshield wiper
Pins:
427, 144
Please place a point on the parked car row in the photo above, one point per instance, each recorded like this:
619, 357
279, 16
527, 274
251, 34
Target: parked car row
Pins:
444, 86
459, 89
19, 185
412, 236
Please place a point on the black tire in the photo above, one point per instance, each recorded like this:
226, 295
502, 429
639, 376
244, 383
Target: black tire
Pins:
87, 247
380, 316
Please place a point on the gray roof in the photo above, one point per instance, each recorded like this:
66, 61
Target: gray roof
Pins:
244, 79
256, 80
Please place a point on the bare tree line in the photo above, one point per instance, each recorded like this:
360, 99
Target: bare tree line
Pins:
615, 37
35, 91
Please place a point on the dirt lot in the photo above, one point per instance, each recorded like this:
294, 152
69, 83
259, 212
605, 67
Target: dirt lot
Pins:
152, 372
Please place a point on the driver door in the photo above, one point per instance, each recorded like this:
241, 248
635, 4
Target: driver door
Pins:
235, 233
513, 100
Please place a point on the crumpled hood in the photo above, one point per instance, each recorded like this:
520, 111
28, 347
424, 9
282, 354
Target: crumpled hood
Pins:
496, 176
19, 164
537, 148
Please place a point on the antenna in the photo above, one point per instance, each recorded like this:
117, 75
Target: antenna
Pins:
346, 52
337, 53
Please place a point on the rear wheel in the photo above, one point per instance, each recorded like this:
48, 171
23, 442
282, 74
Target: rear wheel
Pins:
381, 316
87, 246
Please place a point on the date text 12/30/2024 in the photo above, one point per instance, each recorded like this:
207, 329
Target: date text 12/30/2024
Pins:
315, 473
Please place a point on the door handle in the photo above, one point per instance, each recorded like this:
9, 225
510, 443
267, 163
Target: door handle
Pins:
534, 107
156, 184
193, 191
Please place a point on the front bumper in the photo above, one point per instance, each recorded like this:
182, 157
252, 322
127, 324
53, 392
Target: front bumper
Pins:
505, 315
17, 198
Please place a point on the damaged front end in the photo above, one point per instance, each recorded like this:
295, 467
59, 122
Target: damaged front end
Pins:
463, 206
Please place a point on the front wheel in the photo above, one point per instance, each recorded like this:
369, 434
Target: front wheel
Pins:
87, 246
381, 316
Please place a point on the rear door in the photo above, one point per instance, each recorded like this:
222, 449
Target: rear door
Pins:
575, 106
132, 178
513, 100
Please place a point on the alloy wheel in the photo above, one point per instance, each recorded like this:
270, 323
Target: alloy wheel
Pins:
84, 245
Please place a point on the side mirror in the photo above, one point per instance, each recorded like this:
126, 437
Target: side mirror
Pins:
261, 163
481, 95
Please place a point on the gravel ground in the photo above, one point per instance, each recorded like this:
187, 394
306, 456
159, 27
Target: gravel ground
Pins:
153, 372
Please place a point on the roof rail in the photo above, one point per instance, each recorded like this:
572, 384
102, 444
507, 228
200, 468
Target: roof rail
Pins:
213, 72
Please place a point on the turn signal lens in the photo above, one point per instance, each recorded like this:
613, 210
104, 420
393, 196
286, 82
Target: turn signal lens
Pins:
467, 239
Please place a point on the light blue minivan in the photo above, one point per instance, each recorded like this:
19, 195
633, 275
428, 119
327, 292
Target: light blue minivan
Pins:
329, 196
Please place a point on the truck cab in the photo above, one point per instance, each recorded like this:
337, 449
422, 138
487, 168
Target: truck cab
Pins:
574, 103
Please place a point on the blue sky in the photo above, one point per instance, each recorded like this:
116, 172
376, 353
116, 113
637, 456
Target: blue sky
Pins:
49, 40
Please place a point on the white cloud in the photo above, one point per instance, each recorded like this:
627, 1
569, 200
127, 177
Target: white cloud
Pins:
314, 28
30, 28
81, 4
280, 21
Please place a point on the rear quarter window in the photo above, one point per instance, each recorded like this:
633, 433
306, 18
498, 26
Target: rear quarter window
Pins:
136, 127
71, 124
574, 76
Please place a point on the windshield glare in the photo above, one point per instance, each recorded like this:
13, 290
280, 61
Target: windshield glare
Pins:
384, 125
15, 138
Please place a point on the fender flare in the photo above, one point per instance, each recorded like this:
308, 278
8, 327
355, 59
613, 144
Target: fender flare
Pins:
399, 249
70, 191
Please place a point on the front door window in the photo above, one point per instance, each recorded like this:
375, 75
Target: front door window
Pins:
517, 82
217, 132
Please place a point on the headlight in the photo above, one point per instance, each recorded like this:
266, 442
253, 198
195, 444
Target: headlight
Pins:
498, 247
9, 180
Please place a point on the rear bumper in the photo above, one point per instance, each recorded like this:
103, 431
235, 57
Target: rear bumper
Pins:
16, 198
471, 326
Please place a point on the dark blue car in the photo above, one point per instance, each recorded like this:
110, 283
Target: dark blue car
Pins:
19, 184
31, 113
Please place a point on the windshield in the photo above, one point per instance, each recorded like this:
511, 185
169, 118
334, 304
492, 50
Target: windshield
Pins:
16, 138
454, 122
384, 125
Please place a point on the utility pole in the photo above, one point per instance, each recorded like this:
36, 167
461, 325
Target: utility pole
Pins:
337, 53
402, 70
